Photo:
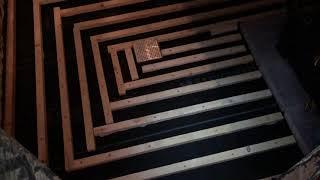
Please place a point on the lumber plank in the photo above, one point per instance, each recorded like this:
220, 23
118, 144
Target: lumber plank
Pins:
42, 134
181, 112
84, 91
188, 72
181, 91
117, 73
179, 140
201, 44
214, 29
102, 84
193, 58
182, 20
64, 96
10, 71
143, 14
97, 7
218, 28
211, 159
131, 64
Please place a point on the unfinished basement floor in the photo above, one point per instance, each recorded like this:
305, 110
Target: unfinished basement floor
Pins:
142, 89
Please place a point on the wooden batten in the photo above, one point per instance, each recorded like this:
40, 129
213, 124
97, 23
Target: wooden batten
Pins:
181, 112
178, 140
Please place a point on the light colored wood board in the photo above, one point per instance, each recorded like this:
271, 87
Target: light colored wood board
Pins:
181, 112
42, 135
201, 44
179, 140
143, 14
10, 71
97, 7
84, 91
211, 159
64, 96
219, 27
193, 58
183, 20
188, 72
131, 64
102, 84
181, 91
117, 73
214, 29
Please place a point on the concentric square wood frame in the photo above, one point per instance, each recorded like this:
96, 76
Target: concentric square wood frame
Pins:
90, 132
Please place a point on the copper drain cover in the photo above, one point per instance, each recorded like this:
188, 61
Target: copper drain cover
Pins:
147, 50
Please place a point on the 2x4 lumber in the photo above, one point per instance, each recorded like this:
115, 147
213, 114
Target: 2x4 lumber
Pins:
180, 140
218, 28
142, 14
131, 64
182, 20
10, 70
193, 58
97, 7
90, 141
117, 72
181, 112
102, 84
64, 96
211, 159
214, 29
84, 90
201, 44
42, 135
188, 72
181, 91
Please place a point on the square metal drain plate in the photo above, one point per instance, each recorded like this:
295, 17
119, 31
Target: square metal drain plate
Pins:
147, 50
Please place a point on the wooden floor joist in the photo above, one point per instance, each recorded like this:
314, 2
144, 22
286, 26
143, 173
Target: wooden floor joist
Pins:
181, 91
214, 29
97, 7
201, 44
181, 20
188, 72
180, 140
42, 138
102, 84
131, 64
211, 159
181, 112
90, 141
143, 14
10, 71
193, 58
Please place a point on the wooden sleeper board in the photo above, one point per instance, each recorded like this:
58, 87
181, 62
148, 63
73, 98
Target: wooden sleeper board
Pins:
211, 159
181, 112
181, 139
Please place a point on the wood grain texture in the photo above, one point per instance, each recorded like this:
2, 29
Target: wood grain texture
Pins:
64, 96
10, 70
179, 140
131, 64
181, 112
211, 159
188, 72
201, 44
182, 20
181, 91
102, 83
193, 58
